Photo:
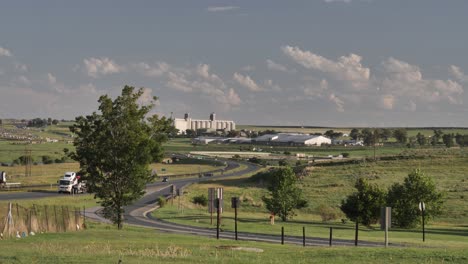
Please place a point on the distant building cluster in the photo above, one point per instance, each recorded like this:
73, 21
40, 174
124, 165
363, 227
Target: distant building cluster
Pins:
23, 136
182, 124
284, 139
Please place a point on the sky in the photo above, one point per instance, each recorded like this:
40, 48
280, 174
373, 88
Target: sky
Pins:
342, 63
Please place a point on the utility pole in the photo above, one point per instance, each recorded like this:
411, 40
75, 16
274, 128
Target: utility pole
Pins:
27, 161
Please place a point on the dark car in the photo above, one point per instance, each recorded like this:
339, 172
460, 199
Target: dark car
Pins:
165, 179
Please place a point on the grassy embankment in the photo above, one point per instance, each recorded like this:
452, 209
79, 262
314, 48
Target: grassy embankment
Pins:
103, 244
326, 186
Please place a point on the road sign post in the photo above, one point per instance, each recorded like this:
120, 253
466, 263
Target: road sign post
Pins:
213, 194
422, 208
235, 204
218, 206
385, 221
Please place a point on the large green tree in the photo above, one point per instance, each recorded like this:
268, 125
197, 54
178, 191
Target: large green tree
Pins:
285, 195
115, 146
405, 198
422, 140
355, 134
367, 136
364, 205
448, 140
400, 135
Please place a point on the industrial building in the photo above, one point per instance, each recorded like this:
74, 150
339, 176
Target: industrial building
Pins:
196, 124
284, 139
291, 139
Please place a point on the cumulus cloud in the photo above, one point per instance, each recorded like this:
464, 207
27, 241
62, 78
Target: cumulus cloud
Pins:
146, 97
346, 68
272, 86
101, 66
457, 73
221, 8
406, 81
51, 78
315, 90
5, 52
247, 82
151, 71
200, 80
203, 70
276, 66
337, 101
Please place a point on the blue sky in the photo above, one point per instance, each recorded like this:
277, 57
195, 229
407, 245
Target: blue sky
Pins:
321, 62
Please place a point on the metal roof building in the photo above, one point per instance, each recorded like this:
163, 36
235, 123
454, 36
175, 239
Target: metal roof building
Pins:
291, 139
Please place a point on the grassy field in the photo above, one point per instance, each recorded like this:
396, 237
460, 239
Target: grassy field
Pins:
104, 244
326, 186
10, 150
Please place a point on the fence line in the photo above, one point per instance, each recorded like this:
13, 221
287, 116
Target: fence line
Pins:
18, 221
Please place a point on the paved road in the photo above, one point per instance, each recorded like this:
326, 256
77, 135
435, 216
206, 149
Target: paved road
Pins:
18, 195
140, 213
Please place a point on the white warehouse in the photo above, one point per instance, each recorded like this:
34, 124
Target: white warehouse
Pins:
291, 139
188, 123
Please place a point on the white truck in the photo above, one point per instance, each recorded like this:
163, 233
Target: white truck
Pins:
70, 183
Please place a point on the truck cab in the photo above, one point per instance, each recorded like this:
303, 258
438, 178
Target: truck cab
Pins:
67, 182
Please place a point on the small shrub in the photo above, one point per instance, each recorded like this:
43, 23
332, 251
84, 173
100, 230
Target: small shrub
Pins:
161, 201
345, 155
200, 199
327, 213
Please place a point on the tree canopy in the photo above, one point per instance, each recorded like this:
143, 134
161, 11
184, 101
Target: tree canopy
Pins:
285, 195
405, 198
401, 135
364, 205
115, 147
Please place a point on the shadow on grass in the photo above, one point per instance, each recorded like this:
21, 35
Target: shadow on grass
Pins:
435, 231
245, 182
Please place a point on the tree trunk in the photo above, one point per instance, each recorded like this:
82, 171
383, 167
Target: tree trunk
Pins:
119, 218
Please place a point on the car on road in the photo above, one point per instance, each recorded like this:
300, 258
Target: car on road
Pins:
165, 179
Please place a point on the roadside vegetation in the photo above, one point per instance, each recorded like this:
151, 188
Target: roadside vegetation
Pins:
100, 243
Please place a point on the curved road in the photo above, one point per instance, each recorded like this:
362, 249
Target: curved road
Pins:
140, 212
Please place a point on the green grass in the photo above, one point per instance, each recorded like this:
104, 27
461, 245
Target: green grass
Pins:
328, 185
258, 222
104, 244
